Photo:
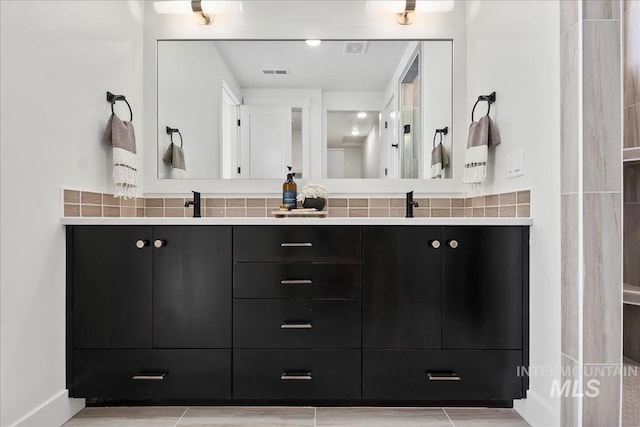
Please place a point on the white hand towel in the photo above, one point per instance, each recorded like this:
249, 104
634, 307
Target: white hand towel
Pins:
483, 135
121, 135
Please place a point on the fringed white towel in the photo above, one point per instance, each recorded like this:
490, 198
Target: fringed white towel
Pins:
483, 135
121, 136
439, 161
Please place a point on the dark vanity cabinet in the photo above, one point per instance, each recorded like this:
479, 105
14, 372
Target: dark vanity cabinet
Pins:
444, 312
150, 311
298, 313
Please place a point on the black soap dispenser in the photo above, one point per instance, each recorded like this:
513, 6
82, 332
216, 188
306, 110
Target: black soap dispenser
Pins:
289, 190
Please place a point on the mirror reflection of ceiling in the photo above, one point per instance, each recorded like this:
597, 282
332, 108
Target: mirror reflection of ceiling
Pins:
258, 64
341, 124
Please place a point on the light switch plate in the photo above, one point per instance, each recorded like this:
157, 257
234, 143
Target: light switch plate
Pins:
515, 164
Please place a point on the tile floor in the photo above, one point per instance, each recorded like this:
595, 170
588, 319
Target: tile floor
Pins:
201, 416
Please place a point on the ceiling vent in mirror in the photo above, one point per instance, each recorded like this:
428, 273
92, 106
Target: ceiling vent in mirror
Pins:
355, 47
276, 72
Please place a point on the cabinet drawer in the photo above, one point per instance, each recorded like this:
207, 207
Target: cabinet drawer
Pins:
291, 323
296, 243
296, 374
454, 375
138, 374
320, 281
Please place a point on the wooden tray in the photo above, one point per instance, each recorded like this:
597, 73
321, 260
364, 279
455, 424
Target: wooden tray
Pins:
299, 213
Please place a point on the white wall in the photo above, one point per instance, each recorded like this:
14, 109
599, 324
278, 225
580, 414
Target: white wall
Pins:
371, 154
189, 98
58, 59
353, 162
513, 49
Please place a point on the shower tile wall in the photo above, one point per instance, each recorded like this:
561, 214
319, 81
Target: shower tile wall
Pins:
591, 202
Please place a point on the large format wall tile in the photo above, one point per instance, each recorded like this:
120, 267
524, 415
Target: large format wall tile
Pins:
569, 110
570, 302
601, 9
632, 56
568, 14
601, 404
569, 416
602, 277
601, 109
632, 126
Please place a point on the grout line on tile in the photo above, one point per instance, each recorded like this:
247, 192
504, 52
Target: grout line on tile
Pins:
181, 416
448, 417
315, 416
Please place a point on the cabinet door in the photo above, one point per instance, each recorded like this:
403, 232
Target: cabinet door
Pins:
402, 287
192, 287
112, 287
482, 288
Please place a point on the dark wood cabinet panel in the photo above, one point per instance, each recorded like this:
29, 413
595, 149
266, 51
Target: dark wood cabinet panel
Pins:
291, 243
192, 287
112, 287
482, 288
292, 323
297, 280
442, 374
401, 287
152, 374
296, 374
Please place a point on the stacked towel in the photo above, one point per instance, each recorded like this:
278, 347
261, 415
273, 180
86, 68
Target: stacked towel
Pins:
121, 136
174, 157
439, 161
483, 135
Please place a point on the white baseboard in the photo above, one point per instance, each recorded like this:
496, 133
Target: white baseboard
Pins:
536, 411
54, 412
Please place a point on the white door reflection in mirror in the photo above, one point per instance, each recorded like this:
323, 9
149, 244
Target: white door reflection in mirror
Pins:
389, 136
266, 135
230, 141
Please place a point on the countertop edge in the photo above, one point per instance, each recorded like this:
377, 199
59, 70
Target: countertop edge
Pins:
296, 221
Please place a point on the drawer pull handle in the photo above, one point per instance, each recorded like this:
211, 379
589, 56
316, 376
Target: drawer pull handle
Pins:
296, 282
443, 376
158, 243
296, 376
296, 325
142, 243
453, 244
149, 377
296, 245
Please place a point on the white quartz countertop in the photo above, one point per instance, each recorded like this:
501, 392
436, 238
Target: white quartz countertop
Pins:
296, 221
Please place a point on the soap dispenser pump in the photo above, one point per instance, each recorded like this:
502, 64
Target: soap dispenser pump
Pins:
289, 190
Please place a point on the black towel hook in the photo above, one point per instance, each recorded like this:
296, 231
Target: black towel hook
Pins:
113, 98
443, 131
491, 98
171, 131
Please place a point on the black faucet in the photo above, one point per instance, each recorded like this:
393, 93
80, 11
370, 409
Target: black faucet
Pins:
195, 203
410, 204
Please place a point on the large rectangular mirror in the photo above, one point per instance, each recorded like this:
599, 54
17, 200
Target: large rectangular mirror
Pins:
249, 109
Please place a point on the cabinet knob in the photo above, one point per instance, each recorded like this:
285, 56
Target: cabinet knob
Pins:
435, 244
159, 243
142, 243
453, 244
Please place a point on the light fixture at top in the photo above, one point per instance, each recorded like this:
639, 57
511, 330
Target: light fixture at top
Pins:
203, 9
405, 10
313, 42
362, 115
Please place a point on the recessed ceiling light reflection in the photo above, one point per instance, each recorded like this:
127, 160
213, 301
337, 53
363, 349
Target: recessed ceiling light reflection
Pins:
362, 115
355, 132
313, 43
